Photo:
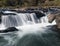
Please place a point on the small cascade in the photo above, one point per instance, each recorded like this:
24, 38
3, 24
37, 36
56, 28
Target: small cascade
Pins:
11, 21
19, 19
22, 19
34, 18
28, 18
2, 27
44, 19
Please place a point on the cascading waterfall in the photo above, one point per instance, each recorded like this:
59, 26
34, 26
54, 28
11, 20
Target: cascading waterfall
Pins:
19, 19
22, 19
32, 31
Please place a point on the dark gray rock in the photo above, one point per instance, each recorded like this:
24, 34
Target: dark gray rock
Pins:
10, 29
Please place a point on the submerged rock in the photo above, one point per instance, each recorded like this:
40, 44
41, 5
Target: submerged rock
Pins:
10, 29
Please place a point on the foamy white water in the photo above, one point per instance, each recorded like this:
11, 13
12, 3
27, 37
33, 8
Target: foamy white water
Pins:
26, 23
25, 19
9, 12
2, 27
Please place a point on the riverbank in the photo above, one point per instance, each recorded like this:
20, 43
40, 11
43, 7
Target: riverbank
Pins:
10, 7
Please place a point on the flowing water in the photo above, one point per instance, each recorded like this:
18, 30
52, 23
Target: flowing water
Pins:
32, 31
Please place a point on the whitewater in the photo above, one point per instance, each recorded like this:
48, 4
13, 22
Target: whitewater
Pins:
31, 31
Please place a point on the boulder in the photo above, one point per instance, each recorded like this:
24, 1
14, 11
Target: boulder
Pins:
10, 29
55, 17
51, 17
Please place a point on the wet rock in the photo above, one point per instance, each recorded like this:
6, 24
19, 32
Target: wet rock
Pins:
39, 14
55, 17
10, 29
51, 17
55, 29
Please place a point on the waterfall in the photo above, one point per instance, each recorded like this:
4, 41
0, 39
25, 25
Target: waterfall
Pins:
11, 21
28, 18
22, 19
19, 19
32, 31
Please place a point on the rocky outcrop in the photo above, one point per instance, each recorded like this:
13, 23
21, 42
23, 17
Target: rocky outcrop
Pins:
58, 20
55, 17
51, 17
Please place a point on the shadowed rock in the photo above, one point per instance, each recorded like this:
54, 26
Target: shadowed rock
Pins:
10, 29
